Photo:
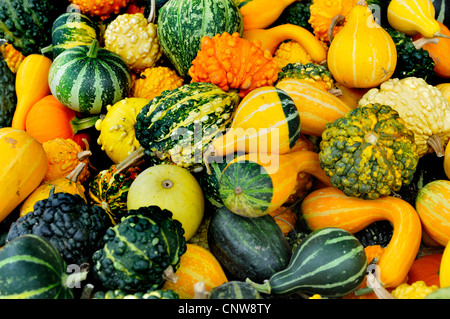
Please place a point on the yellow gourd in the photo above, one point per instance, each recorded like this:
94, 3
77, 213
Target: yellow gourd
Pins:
261, 13
353, 58
444, 269
272, 37
413, 17
24, 162
447, 160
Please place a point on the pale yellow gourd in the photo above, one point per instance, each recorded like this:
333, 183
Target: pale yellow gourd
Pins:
413, 17
362, 54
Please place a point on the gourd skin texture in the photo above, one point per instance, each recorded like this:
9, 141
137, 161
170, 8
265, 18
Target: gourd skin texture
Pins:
24, 163
423, 107
412, 17
369, 152
256, 13
362, 55
100, 8
432, 207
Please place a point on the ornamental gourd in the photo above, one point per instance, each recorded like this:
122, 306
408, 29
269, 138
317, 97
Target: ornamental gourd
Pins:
253, 185
369, 152
232, 62
413, 17
330, 207
352, 53
423, 108
88, 78
101, 9
182, 24
24, 164
447, 160
433, 210
265, 121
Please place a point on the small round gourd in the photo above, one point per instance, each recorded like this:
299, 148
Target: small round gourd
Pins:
173, 188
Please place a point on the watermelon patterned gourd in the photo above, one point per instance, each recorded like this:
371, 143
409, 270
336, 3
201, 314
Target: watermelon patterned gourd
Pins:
87, 78
32, 268
177, 125
330, 262
182, 23
141, 252
71, 29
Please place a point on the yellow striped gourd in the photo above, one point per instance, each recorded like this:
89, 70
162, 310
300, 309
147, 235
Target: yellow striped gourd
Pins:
362, 54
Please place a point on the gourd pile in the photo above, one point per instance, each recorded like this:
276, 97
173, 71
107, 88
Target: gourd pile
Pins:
257, 149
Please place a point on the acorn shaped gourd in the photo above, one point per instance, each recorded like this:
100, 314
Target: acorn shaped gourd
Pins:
362, 54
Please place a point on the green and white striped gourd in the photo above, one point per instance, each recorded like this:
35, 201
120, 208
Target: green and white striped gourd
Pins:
87, 78
177, 125
329, 261
71, 29
182, 23
32, 268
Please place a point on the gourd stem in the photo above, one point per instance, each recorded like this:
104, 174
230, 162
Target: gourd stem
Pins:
378, 289
44, 50
79, 124
264, 288
81, 156
200, 291
152, 14
418, 44
93, 49
72, 279
209, 153
435, 142
337, 19
441, 35
75, 173
170, 275
132, 159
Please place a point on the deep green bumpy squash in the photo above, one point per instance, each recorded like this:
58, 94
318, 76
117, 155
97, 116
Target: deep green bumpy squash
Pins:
182, 23
329, 261
247, 247
369, 152
87, 78
27, 24
71, 29
178, 125
140, 250
32, 268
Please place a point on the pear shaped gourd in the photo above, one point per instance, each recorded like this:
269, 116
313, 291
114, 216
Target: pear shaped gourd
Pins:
362, 54
413, 17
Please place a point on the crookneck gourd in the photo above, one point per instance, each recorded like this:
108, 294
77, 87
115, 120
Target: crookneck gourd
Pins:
423, 107
369, 152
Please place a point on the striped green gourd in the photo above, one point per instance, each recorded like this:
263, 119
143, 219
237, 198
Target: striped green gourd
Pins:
442, 11
32, 268
329, 261
177, 125
234, 290
252, 248
182, 23
71, 29
87, 78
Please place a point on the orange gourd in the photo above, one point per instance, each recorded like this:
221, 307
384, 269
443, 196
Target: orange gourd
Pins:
100, 8
231, 62
316, 106
353, 59
285, 218
426, 269
271, 38
432, 205
439, 52
24, 163
330, 207
64, 155
197, 264
49, 119
68, 184
31, 86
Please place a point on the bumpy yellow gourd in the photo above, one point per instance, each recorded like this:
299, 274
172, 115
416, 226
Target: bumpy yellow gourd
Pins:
133, 38
413, 17
153, 81
353, 58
